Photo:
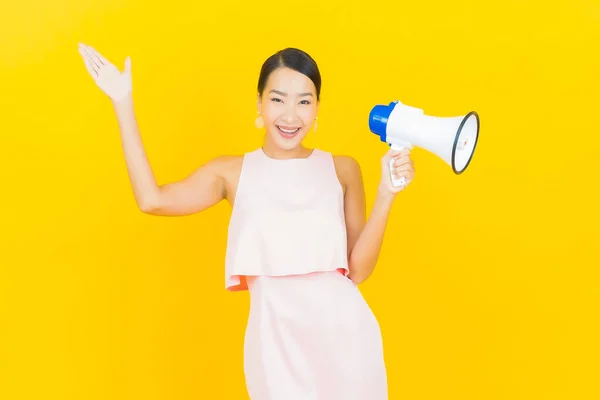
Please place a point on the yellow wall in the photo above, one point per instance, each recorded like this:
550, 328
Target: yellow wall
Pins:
487, 287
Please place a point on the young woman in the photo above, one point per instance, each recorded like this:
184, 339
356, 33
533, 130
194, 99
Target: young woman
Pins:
298, 238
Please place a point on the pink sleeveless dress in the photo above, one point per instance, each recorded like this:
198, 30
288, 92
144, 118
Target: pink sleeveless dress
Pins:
310, 333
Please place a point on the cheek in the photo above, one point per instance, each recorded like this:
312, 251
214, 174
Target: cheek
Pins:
307, 115
271, 114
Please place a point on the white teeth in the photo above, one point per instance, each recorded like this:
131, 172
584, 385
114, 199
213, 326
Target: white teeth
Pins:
288, 131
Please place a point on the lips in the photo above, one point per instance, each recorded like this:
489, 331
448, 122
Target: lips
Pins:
287, 132
288, 129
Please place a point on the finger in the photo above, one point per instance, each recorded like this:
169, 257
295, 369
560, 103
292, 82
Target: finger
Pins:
91, 68
398, 171
405, 167
392, 154
395, 155
399, 154
402, 161
387, 157
95, 61
401, 171
128, 64
101, 59
408, 177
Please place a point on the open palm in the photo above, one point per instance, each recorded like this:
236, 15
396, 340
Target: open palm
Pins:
115, 84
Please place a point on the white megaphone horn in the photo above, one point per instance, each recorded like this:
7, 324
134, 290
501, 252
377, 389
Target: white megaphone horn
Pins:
453, 139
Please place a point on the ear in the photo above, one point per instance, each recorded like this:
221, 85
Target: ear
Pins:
258, 101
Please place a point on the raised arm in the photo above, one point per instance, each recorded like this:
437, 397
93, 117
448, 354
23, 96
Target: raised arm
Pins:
200, 190
203, 188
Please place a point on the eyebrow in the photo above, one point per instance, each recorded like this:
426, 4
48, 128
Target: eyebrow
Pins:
285, 94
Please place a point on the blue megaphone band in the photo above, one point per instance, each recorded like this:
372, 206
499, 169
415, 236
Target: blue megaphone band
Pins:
378, 119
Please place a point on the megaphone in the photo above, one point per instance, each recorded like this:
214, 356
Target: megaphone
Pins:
453, 139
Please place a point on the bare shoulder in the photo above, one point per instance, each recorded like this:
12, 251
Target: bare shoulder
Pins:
346, 165
347, 169
227, 163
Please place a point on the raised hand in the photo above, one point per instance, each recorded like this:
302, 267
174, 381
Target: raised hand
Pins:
115, 84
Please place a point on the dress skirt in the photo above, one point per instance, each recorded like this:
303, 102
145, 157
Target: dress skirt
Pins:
312, 337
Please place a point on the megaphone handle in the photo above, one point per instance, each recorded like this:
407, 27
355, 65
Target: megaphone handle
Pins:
402, 180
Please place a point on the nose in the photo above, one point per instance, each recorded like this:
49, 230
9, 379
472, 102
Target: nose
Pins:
289, 115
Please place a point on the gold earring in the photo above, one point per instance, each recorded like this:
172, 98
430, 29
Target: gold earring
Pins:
259, 122
316, 124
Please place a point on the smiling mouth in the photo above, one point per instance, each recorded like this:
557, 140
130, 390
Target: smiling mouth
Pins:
287, 130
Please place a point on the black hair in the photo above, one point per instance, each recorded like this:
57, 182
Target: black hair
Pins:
292, 58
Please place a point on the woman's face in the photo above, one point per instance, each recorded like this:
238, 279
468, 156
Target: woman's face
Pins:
288, 106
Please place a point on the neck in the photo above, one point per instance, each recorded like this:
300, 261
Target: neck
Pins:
273, 151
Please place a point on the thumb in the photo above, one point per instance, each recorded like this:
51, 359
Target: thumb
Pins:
128, 64
392, 152
385, 160
389, 155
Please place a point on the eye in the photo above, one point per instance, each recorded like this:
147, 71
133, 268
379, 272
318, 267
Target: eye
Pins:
275, 99
305, 102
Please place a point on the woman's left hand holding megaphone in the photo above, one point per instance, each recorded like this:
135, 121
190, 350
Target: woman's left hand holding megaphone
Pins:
403, 166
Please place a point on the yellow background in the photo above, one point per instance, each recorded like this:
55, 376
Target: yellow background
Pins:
487, 285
